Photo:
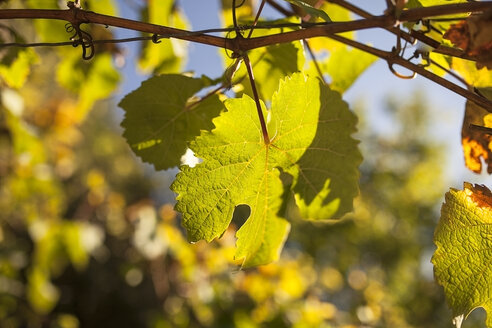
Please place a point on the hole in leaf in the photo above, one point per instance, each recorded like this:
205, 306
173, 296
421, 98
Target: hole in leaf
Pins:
241, 214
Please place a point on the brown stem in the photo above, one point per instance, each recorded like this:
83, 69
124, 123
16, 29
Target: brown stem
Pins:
260, 9
480, 128
264, 130
392, 59
79, 16
315, 61
416, 14
409, 37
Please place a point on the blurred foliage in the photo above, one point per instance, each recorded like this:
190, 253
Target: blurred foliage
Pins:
84, 245
83, 242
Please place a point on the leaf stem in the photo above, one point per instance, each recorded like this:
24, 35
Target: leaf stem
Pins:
192, 105
260, 9
249, 68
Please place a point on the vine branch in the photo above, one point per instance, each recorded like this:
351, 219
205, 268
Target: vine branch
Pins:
78, 16
392, 58
240, 45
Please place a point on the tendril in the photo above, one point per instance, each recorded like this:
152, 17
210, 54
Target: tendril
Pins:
401, 76
81, 37
155, 38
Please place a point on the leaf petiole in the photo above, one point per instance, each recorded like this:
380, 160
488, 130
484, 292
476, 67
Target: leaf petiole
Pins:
249, 68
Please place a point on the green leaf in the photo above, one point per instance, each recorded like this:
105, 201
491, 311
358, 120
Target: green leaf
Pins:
309, 9
15, 73
270, 64
479, 78
328, 171
464, 241
167, 56
345, 65
337, 14
239, 168
160, 118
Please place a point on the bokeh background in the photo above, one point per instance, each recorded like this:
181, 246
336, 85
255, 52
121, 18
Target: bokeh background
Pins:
89, 237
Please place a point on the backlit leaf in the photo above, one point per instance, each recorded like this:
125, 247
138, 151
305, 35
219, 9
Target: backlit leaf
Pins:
167, 56
239, 168
464, 241
337, 14
479, 78
345, 65
310, 10
15, 73
270, 64
160, 118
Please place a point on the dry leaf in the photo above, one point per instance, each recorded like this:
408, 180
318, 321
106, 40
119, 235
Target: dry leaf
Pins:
475, 37
476, 145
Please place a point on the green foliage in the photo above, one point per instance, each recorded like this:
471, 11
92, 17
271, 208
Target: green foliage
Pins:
310, 10
270, 64
80, 219
163, 115
168, 55
462, 259
345, 65
16, 72
239, 168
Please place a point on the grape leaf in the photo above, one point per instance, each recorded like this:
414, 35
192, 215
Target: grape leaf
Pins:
270, 64
475, 37
308, 124
15, 73
476, 144
169, 54
337, 14
464, 241
161, 117
479, 78
345, 66
310, 10
243, 12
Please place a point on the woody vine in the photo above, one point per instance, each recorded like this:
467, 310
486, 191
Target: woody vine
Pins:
295, 135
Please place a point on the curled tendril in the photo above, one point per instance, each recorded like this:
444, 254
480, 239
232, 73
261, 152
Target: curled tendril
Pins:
82, 38
155, 38
401, 76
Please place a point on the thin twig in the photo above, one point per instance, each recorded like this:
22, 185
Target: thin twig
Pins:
480, 128
450, 72
280, 9
208, 95
258, 13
